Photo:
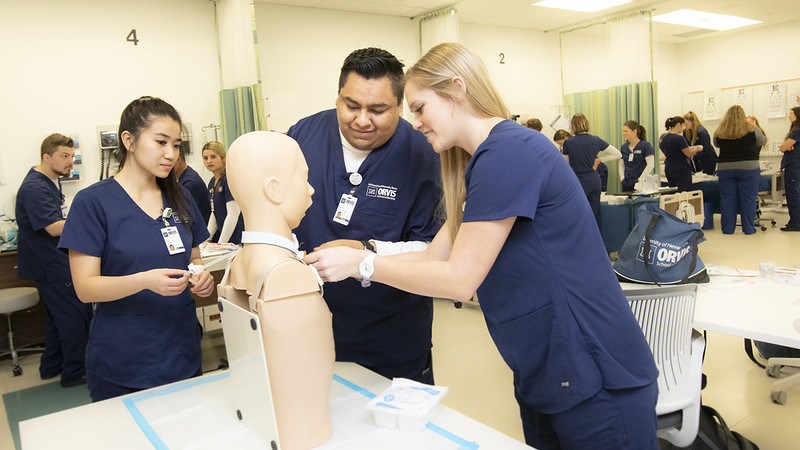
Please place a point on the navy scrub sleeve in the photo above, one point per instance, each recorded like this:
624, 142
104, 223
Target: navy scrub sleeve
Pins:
145, 339
193, 183
39, 205
676, 166
634, 166
551, 300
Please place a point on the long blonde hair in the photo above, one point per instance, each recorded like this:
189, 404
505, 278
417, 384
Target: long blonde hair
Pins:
435, 71
734, 124
691, 133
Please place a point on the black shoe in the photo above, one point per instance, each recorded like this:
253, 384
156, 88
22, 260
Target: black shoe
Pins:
787, 228
75, 382
48, 376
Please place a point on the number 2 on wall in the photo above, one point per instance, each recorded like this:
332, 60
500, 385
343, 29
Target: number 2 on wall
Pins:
502, 58
132, 37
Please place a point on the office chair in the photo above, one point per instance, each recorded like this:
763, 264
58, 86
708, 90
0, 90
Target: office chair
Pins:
13, 300
773, 368
665, 315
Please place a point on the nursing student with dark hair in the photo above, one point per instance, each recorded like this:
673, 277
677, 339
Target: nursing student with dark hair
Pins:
677, 152
705, 160
193, 183
790, 164
377, 187
638, 156
40, 218
582, 151
130, 240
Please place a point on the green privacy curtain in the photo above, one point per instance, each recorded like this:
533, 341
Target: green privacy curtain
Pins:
608, 109
242, 111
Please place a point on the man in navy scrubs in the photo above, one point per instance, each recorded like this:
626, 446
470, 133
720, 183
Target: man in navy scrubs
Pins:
377, 186
40, 219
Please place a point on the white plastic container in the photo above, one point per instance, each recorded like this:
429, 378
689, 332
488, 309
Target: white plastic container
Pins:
407, 405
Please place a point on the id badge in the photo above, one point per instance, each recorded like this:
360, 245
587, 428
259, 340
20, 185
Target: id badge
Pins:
172, 239
630, 157
345, 210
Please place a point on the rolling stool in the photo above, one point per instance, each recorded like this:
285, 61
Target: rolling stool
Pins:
12, 300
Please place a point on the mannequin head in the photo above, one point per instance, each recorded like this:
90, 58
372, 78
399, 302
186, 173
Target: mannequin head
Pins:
268, 176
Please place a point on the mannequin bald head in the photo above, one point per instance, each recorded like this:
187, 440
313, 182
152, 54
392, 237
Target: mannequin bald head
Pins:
268, 177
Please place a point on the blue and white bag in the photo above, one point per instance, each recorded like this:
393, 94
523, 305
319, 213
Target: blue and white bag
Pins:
671, 248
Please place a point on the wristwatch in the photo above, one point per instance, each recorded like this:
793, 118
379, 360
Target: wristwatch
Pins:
366, 268
368, 246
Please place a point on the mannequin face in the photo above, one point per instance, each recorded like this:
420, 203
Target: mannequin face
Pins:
157, 147
212, 161
60, 161
367, 111
297, 193
433, 116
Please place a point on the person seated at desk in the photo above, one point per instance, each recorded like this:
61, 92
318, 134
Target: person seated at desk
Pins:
739, 145
677, 153
638, 156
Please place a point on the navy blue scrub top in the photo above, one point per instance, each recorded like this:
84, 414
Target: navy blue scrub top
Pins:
221, 197
145, 339
792, 158
634, 169
551, 300
38, 205
397, 200
192, 182
706, 159
676, 162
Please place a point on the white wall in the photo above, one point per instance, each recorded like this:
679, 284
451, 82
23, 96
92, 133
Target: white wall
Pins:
68, 68
529, 79
751, 57
302, 49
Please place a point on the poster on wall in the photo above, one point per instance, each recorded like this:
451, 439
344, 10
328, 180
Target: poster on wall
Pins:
711, 105
794, 100
777, 100
744, 98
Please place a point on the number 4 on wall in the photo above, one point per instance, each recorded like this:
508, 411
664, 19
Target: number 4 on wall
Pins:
132, 37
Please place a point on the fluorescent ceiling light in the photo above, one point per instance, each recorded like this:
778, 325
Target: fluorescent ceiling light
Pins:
707, 20
581, 5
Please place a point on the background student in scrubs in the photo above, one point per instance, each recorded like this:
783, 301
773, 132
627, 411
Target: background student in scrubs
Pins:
678, 154
226, 222
130, 240
790, 164
638, 156
41, 221
190, 180
696, 134
377, 186
582, 151
584, 376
